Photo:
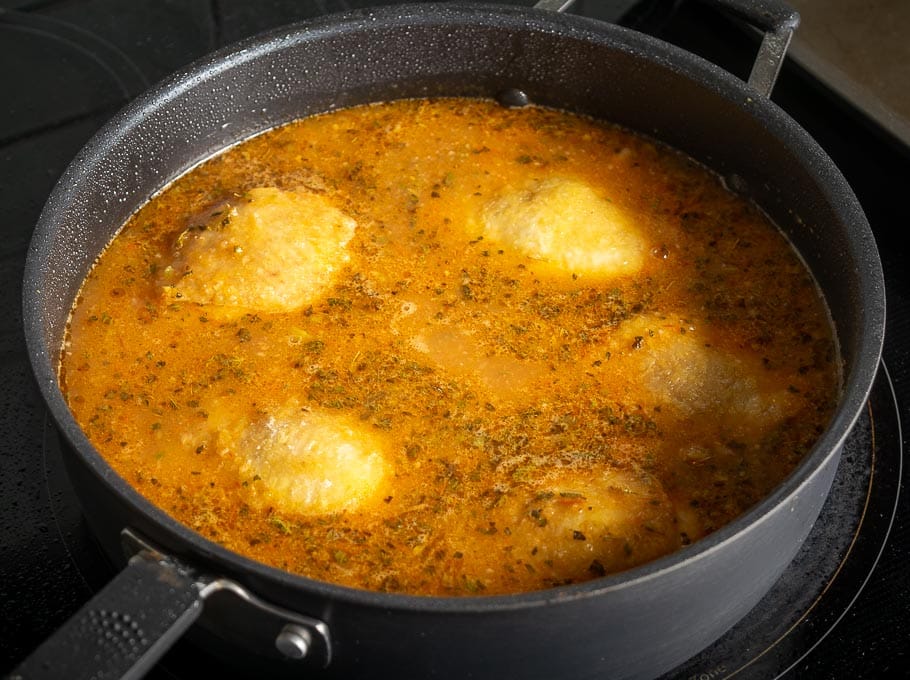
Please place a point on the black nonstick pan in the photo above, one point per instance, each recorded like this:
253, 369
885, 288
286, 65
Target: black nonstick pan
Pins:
636, 624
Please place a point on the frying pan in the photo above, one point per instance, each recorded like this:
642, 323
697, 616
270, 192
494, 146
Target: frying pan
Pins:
636, 624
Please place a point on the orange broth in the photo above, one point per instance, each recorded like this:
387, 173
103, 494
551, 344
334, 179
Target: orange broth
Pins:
533, 425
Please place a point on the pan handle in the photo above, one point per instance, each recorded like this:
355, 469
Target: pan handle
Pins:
774, 18
124, 629
777, 20
122, 632
554, 5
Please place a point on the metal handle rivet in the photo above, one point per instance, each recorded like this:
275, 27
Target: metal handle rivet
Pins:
513, 98
293, 641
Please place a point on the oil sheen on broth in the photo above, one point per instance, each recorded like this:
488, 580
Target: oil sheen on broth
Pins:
449, 348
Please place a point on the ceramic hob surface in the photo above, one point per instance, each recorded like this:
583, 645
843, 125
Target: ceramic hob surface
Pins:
842, 609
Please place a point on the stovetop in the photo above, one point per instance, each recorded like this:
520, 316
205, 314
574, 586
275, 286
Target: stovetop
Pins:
841, 610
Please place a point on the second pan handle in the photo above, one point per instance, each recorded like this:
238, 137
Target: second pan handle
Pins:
775, 18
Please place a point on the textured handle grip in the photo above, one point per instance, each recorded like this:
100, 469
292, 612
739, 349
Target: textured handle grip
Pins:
124, 629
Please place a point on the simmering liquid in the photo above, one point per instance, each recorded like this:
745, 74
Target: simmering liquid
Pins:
444, 347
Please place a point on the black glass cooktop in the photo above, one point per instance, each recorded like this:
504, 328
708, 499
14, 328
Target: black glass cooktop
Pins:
841, 610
